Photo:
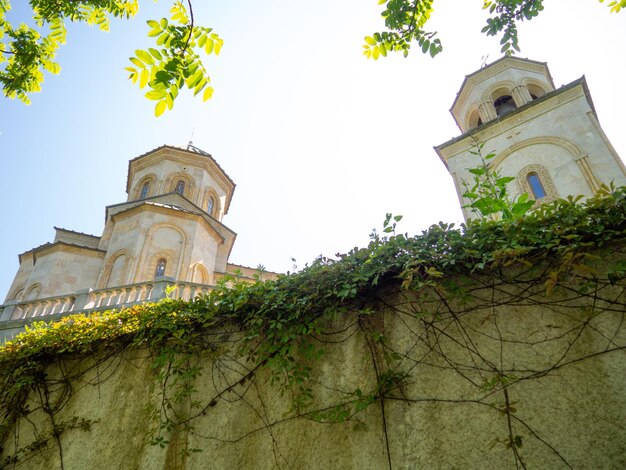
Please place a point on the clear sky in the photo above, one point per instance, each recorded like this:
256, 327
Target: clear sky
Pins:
320, 141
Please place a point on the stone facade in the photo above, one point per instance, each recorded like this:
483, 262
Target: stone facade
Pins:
170, 227
547, 137
567, 396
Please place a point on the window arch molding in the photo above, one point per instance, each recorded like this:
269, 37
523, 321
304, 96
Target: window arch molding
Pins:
17, 294
498, 90
151, 179
523, 179
215, 210
33, 292
573, 149
147, 262
198, 274
120, 255
173, 180
536, 88
473, 119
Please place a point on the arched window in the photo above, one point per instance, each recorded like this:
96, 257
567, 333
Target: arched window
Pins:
160, 268
19, 293
33, 292
210, 205
504, 104
535, 91
144, 190
535, 185
180, 187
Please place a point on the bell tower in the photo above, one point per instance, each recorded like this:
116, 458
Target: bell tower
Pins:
549, 139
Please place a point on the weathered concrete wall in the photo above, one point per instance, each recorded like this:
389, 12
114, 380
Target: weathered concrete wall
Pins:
564, 366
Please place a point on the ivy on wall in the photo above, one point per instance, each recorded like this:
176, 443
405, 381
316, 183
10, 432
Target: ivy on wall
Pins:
434, 280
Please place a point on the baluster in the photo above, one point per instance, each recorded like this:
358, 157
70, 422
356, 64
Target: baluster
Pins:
148, 291
18, 313
141, 293
36, 308
68, 304
179, 291
123, 298
110, 298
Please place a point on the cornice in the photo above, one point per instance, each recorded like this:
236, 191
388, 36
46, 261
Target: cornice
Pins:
187, 157
192, 210
61, 246
557, 98
492, 70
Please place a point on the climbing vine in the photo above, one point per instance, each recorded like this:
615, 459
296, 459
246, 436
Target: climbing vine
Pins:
430, 305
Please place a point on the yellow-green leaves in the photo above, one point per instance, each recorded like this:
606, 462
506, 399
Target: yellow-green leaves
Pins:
404, 20
615, 5
175, 61
160, 108
381, 43
172, 64
179, 13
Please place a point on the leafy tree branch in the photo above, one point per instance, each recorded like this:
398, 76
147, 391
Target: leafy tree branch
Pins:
405, 21
26, 52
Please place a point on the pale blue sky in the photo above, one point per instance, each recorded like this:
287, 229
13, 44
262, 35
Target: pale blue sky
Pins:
321, 142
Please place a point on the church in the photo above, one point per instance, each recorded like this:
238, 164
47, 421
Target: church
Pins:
169, 232
549, 139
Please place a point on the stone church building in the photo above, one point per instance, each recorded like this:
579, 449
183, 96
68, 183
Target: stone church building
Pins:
549, 139
170, 230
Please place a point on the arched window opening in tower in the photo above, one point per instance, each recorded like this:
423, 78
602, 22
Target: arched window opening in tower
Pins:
504, 104
144, 190
535, 185
160, 268
180, 187
210, 205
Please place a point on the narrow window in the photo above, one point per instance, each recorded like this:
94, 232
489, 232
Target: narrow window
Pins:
210, 205
180, 187
535, 185
160, 268
144, 190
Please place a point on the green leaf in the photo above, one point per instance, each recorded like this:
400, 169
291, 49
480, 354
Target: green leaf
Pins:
208, 93
137, 62
370, 40
208, 48
162, 39
155, 53
155, 94
144, 56
143, 78
160, 108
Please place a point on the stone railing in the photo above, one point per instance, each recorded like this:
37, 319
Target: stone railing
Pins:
14, 315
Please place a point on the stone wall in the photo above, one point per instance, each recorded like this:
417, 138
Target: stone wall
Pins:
513, 376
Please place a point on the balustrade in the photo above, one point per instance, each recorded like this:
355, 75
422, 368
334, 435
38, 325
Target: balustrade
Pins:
102, 299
